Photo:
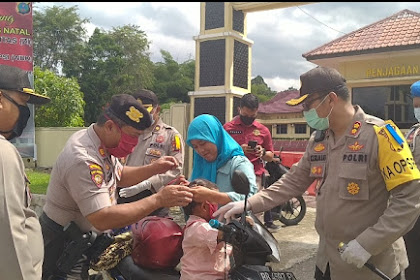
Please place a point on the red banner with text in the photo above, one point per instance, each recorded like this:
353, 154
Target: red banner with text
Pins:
16, 34
16, 49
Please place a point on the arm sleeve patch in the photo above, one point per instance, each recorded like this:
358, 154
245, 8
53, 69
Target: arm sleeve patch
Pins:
395, 161
176, 144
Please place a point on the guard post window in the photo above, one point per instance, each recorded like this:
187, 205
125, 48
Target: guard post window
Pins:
387, 102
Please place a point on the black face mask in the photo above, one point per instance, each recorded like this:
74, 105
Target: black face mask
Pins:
20, 125
247, 120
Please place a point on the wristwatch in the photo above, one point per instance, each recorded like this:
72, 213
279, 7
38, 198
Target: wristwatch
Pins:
264, 151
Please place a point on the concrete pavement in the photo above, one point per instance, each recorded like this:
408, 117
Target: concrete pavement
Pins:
298, 245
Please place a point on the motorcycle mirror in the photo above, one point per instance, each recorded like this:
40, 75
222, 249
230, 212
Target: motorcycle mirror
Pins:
240, 182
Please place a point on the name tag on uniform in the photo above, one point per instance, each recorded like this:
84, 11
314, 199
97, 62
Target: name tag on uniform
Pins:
235, 131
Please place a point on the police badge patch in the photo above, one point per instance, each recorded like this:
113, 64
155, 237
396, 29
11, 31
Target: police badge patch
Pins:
96, 174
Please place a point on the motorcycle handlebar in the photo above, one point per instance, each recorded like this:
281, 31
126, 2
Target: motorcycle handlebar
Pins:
221, 226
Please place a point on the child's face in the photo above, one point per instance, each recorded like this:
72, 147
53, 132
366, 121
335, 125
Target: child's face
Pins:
204, 210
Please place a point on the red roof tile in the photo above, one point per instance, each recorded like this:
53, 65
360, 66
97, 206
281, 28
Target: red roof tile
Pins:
400, 31
277, 104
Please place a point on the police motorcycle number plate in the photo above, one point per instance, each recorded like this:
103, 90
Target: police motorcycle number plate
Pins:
275, 275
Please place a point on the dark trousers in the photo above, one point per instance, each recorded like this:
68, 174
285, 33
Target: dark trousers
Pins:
326, 276
268, 218
412, 243
54, 243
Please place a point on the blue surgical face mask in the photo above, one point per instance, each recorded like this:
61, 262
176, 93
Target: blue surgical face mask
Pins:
314, 121
417, 113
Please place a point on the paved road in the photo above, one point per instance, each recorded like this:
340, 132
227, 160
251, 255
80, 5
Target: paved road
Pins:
298, 245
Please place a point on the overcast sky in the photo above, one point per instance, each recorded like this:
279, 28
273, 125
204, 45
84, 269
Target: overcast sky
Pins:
280, 36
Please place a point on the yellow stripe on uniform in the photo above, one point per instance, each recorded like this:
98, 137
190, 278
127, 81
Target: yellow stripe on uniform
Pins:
395, 161
177, 143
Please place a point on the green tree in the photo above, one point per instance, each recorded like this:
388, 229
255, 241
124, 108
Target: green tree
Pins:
66, 106
114, 62
173, 80
59, 36
261, 89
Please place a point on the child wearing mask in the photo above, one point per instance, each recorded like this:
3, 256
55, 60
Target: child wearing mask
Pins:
205, 256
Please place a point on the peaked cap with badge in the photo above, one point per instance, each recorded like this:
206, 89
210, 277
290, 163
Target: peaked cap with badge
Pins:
126, 108
318, 80
14, 78
147, 98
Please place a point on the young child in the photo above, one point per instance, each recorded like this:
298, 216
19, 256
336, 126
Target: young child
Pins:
205, 256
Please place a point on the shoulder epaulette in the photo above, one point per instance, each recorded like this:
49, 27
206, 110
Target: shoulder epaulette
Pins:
375, 121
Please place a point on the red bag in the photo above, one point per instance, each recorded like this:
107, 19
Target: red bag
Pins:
157, 243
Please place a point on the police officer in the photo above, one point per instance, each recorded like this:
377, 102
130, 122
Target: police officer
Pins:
20, 232
244, 128
85, 176
412, 238
157, 141
368, 182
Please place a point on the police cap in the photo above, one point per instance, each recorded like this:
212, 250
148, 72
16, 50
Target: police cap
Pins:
15, 78
318, 80
147, 98
415, 89
126, 108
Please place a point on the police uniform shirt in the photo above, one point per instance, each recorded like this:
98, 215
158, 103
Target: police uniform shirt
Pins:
413, 140
21, 240
367, 171
83, 180
244, 133
158, 141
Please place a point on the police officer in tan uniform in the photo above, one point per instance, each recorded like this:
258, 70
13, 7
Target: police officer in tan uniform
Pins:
84, 180
412, 238
157, 141
368, 183
20, 233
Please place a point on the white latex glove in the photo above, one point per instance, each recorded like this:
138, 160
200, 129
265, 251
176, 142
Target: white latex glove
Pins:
354, 253
133, 190
228, 211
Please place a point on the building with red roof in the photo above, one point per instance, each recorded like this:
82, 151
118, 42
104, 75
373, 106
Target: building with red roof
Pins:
379, 61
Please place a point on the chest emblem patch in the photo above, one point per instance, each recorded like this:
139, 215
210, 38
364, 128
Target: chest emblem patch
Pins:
160, 139
155, 153
316, 170
353, 188
319, 148
356, 146
256, 132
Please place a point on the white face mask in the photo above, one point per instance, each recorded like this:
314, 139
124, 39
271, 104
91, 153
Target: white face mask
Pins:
417, 113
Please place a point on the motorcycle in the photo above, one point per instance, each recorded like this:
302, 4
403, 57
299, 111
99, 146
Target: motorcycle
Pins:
253, 245
294, 210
